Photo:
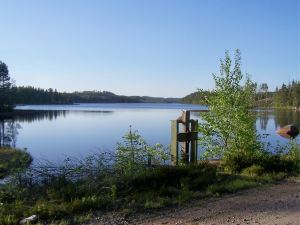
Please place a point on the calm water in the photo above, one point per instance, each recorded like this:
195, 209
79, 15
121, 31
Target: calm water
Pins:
55, 131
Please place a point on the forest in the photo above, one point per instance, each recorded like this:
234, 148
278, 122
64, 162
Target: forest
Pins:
286, 96
32, 95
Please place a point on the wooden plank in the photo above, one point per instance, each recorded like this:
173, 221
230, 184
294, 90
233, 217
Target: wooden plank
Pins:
187, 137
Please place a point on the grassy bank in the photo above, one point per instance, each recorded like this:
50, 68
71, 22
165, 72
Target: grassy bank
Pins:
76, 191
135, 178
12, 160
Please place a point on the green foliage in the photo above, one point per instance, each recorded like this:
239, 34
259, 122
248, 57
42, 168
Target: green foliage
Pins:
8, 220
195, 177
5, 84
228, 129
286, 159
237, 161
231, 186
13, 160
134, 154
254, 170
293, 152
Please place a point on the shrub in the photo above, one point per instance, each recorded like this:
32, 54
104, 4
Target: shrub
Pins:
254, 170
237, 162
195, 177
13, 160
231, 186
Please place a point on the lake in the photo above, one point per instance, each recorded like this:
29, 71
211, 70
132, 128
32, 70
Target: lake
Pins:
55, 132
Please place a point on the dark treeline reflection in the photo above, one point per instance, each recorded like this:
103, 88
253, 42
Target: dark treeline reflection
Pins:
280, 117
263, 118
8, 133
10, 123
38, 115
284, 117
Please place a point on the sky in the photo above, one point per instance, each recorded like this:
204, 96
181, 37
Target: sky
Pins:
166, 48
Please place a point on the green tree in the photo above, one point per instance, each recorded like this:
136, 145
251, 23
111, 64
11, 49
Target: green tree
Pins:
135, 155
5, 85
228, 129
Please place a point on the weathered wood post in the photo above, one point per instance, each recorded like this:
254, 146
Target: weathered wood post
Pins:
174, 143
188, 139
194, 141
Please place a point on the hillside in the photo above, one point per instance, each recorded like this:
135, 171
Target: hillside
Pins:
32, 95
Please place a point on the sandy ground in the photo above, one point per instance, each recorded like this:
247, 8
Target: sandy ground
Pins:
275, 204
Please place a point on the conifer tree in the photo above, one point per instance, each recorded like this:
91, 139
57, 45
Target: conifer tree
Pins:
5, 85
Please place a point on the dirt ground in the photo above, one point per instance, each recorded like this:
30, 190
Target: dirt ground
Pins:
274, 204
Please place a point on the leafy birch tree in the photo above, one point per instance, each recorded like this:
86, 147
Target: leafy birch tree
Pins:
228, 129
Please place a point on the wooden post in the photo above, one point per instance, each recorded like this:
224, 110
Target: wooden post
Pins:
174, 143
186, 129
187, 138
194, 142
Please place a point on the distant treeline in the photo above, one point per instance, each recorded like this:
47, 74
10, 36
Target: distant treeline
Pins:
32, 95
198, 97
286, 96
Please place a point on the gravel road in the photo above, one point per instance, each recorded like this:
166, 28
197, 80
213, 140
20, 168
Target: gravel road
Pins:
274, 204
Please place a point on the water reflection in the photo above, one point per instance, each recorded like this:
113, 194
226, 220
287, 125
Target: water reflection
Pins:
284, 117
263, 117
10, 123
55, 134
280, 118
8, 133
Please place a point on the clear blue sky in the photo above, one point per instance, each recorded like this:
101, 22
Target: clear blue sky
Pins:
147, 47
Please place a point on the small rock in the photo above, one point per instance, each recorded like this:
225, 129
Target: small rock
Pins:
29, 219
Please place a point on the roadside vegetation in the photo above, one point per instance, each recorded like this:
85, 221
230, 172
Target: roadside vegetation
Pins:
76, 191
139, 177
13, 160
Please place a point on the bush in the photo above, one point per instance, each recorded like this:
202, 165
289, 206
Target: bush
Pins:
231, 186
13, 160
236, 162
195, 177
254, 170
276, 163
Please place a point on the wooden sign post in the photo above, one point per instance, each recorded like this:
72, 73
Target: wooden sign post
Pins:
186, 140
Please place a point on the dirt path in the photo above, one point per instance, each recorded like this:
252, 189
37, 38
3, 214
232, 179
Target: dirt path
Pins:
275, 204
